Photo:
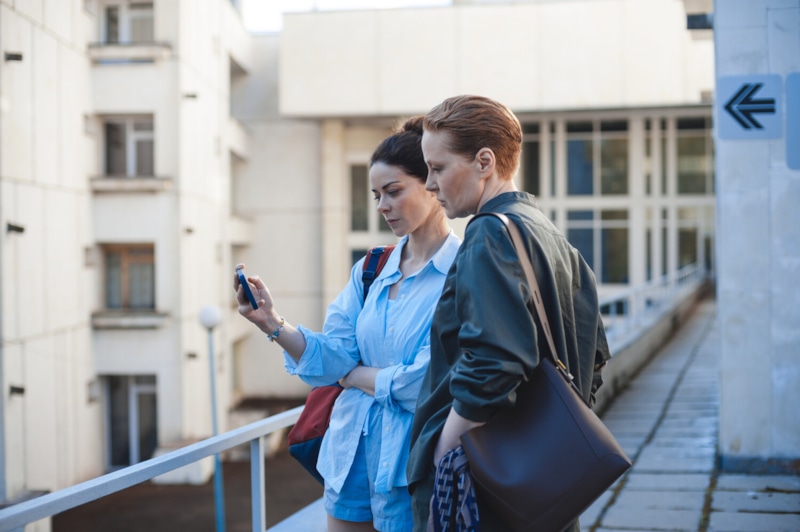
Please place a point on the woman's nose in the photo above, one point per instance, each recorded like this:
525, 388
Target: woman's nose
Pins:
383, 204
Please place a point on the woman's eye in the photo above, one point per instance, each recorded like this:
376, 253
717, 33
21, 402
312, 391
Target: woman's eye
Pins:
376, 198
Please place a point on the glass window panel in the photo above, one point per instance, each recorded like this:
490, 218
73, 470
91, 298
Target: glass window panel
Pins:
648, 164
532, 129
687, 246
580, 215
530, 174
143, 126
614, 166
141, 278
144, 158
141, 22
579, 127
663, 165
691, 123
357, 254
583, 240
614, 252
148, 434
648, 237
112, 24
693, 165
115, 149
118, 421
616, 125
553, 167
617, 214
579, 167
358, 197
113, 265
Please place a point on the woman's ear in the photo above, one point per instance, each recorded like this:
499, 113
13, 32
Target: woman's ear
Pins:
486, 160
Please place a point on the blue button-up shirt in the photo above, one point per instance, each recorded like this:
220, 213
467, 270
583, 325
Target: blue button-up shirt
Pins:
390, 334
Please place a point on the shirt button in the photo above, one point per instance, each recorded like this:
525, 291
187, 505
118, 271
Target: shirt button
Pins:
386, 464
387, 429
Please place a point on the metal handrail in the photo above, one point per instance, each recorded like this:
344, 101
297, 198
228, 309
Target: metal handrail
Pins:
16, 516
643, 303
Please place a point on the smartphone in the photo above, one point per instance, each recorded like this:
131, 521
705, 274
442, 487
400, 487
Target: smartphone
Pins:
246, 285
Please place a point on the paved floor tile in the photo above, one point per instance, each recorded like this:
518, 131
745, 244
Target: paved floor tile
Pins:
667, 481
755, 501
649, 519
753, 522
759, 482
660, 500
680, 465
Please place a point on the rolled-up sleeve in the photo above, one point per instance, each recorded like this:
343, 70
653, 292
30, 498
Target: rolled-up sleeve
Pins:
398, 386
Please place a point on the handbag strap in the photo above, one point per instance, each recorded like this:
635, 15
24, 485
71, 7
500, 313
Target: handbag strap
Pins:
527, 267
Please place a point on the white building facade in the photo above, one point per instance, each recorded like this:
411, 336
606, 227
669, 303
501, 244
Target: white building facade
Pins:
118, 150
148, 146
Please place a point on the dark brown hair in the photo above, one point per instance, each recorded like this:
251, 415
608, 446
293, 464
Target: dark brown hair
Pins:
403, 149
476, 122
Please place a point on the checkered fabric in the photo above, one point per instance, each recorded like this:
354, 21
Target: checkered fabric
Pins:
454, 507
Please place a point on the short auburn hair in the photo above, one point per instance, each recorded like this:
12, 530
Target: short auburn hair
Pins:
476, 122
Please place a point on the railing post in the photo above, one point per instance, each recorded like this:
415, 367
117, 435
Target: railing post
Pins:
257, 484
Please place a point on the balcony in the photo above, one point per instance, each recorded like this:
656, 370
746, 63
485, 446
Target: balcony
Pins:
130, 184
114, 53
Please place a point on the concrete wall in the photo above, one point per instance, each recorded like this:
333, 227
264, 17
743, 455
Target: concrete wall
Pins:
50, 425
540, 56
758, 250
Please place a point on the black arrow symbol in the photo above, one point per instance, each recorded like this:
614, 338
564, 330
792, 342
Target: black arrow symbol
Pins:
742, 106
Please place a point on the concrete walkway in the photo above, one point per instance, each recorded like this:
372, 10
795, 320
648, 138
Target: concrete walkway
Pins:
667, 422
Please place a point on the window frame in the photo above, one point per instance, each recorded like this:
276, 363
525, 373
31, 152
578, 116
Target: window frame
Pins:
126, 15
127, 258
132, 137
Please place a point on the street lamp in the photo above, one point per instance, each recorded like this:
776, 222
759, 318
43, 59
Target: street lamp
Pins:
210, 316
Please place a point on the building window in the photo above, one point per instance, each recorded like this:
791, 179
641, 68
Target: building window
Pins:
597, 158
132, 433
128, 22
602, 238
367, 226
614, 158
129, 277
695, 162
129, 144
531, 171
580, 159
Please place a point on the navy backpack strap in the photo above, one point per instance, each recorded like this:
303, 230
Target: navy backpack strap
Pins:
376, 258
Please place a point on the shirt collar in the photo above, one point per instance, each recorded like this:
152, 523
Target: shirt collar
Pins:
442, 259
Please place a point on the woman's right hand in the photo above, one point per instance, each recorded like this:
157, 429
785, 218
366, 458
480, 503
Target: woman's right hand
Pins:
265, 316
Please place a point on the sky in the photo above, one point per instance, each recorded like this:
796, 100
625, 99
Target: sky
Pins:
261, 16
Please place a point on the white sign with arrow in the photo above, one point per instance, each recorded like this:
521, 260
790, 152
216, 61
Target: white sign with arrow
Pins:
749, 107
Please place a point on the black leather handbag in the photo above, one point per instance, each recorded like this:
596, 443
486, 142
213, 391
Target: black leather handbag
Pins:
540, 464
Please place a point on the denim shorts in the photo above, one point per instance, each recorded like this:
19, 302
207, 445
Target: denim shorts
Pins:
358, 501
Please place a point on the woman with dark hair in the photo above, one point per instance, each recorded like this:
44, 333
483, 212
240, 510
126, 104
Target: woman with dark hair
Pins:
377, 349
484, 341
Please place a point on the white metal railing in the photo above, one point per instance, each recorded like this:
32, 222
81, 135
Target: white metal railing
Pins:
637, 307
15, 517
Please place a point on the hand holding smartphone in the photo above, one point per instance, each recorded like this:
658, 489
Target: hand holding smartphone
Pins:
246, 286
